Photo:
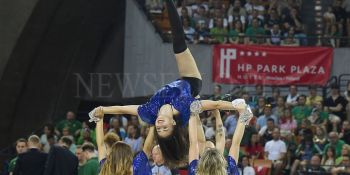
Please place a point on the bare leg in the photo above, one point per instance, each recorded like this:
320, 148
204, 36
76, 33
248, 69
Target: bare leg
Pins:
185, 61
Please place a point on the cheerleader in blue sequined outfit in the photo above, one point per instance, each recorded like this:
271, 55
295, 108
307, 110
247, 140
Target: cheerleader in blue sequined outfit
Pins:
118, 159
212, 160
169, 108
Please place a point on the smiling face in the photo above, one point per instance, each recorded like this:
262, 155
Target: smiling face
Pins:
164, 125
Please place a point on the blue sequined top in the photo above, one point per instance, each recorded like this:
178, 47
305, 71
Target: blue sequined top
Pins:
232, 168
140, 164
177, 94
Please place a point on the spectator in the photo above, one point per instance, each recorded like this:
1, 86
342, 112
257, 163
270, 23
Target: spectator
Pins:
188, 30
335, 142
231, 122
49, 132
255, 15
344, 167
252, 5
117, 128
287, 123
248, 132
91, 166
135, 121
315, 166
159, 167
33, 161
329, 19
301, 111
340, 15
253, 32
320, 137
202, 33
290, 41
318, 115
276, 150
332, 36
134, 139
336, 104
245, 168
259, 109
273, 99
272, 19
245, 96
21, 147
61, 161
275, 35
86, 137
304, 153
261, 122
236, 33
258, 94
210, 131
218, 14
266, 131
228, 144
237, 13
278, 111
294, 19
347, 97
313, 98
328, 159
255, 149
80, 155
344, 153
85, 128
201, 17
291, 99
184, 11
217, 93
345, 132
70, 122
218, 32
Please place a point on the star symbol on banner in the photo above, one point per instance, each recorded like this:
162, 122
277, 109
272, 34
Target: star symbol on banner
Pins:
256, 53
264, 54
249, 53
242, 53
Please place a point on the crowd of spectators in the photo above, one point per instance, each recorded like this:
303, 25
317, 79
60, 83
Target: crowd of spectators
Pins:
299, 133
266, 22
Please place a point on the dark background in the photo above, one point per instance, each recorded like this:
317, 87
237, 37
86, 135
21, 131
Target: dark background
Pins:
60, 40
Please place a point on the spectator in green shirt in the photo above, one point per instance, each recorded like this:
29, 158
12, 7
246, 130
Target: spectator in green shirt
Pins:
236, 33
254, 32
91, 166
335, 142
21, 147
301, 111
70, 122
218, 32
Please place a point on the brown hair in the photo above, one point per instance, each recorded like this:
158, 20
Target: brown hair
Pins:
212, 162
119, 161
110, 138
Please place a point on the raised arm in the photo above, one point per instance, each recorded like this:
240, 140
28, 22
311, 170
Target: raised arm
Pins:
223, 105
244, 117
102, 153
192, 132
147, 147
200, 135
130, 109
220, 132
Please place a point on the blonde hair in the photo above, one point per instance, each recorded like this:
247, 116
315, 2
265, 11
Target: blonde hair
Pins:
110, 138
34, 139
119, 161
212, 162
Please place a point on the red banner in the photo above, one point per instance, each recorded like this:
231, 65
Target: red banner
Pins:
270, 65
